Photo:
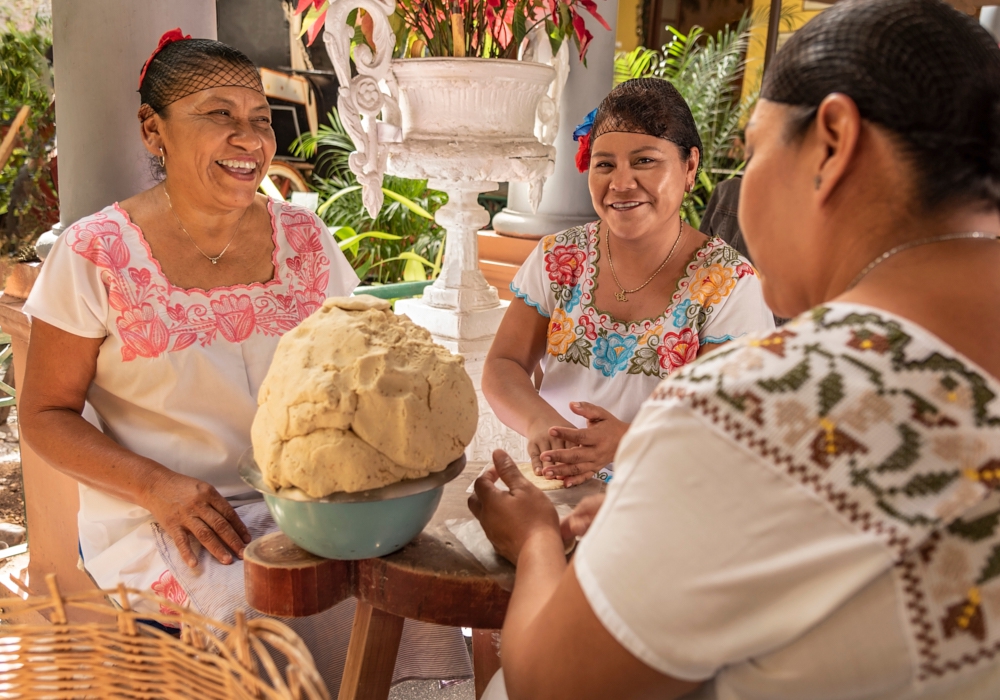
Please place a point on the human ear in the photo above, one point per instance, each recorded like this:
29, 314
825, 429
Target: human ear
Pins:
837, 132
150, 130
694, 159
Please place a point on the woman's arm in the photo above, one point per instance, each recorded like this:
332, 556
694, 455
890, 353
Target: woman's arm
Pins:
59, 370
554, 646
516, 351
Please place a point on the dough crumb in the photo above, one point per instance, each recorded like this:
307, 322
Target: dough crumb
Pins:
357, 398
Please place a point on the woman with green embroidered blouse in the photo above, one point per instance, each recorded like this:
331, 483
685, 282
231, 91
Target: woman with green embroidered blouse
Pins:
610, 308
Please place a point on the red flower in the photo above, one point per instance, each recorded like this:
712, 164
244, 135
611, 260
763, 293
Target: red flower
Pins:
302, 233
745, 270
582, 35
168, 38
677, 349
143, 333
234, 317
565, 264
583, 154
589, 329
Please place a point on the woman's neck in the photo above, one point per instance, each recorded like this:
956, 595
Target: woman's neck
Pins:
208, 223
643, 253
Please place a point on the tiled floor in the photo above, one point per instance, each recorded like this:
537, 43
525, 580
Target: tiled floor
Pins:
431, 690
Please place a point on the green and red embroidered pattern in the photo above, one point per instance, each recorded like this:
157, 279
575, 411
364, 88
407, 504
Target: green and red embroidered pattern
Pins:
899, 435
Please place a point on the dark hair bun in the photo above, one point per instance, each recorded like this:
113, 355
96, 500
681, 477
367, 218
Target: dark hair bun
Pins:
919, 68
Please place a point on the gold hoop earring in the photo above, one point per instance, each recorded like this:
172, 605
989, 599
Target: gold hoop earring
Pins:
163, 159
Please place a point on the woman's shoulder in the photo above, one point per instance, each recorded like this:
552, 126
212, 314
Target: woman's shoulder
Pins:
717, 254
580, 237
858, 405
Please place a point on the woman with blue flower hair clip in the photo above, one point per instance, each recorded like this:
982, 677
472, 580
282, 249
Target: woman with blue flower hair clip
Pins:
608, 309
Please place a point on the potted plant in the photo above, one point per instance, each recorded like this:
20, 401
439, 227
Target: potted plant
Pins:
445, 71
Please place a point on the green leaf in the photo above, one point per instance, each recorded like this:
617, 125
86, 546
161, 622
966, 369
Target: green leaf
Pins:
831, 391
326, 205
518, 24
904, 456
414, 271
928, 484
578, 352
790, 381
992, 567
645, 361
976, 530
408, 203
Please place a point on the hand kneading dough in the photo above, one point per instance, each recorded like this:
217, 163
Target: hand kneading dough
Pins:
357, 398
540, 481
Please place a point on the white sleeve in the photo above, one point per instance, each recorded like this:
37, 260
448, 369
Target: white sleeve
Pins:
343, 278
703, 556
531, 283
69, 293
743, 311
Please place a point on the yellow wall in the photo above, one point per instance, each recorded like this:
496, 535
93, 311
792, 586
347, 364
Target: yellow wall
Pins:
755, 52
626, 36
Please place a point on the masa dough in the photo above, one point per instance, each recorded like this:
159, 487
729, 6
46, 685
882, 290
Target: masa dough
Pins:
540, 481
357, 398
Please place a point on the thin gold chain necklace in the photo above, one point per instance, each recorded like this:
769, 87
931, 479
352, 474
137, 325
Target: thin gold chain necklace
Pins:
622, 293
212, 259
913, 244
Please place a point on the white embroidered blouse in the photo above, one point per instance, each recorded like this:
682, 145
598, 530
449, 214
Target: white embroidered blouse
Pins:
179, 369
592, 356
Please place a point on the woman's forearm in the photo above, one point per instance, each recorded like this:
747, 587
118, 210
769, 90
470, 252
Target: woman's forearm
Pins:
70, 444
512, 395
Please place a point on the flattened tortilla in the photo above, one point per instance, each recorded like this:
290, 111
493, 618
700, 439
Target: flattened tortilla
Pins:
540, 481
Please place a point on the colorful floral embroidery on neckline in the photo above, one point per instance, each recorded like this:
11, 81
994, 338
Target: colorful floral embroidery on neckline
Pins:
152, 317
651, 347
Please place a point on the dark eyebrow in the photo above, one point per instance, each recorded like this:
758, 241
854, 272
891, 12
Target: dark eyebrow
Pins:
605, 154
215, 100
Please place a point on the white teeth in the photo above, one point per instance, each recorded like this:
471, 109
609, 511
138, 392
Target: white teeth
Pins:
247, 165
624, 206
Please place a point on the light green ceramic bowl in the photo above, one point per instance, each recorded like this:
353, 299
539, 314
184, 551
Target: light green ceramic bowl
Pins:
355, 525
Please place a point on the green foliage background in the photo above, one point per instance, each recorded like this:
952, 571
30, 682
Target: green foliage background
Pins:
25, 79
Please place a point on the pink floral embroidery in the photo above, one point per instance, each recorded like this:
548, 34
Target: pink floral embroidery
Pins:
589, 329
167, 587
153, 317
677, 349
745, 270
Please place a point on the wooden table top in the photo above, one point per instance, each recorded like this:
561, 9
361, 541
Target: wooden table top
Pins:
434, 578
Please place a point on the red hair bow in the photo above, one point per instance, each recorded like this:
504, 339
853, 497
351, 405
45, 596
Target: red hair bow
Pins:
168, 38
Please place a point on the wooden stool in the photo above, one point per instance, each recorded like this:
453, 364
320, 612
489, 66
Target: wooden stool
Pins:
433, 579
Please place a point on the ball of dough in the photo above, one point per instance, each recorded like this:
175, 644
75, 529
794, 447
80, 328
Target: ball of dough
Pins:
358, 397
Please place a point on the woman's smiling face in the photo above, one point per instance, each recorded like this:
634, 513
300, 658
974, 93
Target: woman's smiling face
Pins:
220, 142
637, 182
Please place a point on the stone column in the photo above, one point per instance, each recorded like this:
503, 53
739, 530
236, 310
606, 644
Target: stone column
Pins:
99, 47
566, 199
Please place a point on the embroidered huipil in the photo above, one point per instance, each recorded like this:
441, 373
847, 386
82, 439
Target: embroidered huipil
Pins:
591, 356
178, 372
840, 534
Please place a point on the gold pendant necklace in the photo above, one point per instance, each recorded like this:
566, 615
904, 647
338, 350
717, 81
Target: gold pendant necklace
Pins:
212, 259
622, 293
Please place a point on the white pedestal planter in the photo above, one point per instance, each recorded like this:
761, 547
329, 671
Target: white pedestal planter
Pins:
464, 124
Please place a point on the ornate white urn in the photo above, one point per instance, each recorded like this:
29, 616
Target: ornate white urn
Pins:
464, 124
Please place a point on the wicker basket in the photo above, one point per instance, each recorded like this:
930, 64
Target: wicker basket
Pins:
122, 659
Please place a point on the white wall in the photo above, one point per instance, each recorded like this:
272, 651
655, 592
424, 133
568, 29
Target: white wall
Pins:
99, 47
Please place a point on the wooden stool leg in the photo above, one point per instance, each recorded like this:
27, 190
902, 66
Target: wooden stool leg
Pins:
371, 655
485, 657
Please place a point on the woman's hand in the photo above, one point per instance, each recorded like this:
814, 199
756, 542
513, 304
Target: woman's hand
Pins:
578, 522
541, 438
512, 518
589, 450
184, 506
